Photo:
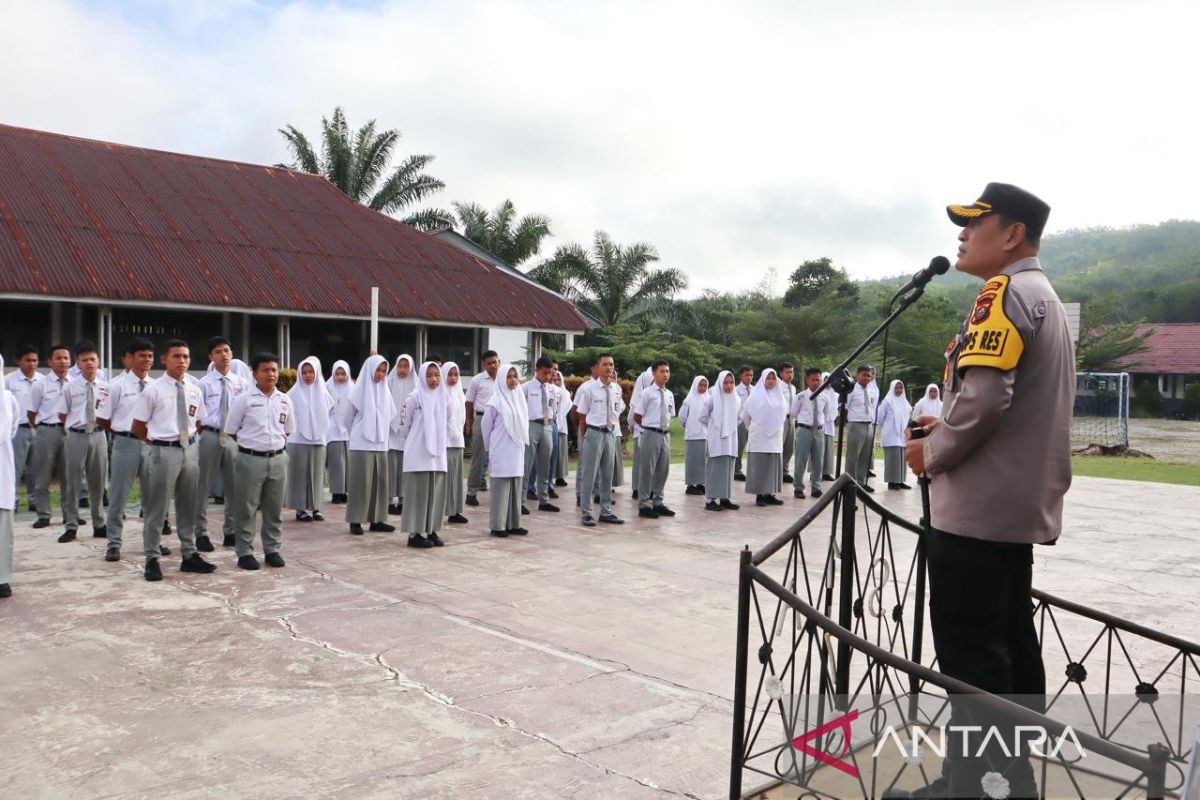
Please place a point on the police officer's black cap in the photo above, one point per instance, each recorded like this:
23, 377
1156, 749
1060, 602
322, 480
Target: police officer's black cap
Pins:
1011, 201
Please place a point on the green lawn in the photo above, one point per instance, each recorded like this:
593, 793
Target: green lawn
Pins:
1136, 469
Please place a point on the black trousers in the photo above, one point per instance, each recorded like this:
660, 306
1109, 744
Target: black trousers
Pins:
981, 616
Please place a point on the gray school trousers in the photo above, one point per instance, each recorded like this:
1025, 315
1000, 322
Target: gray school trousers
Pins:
216, 459
260, 482
23, 459
478, 456
171, 469
87, 459
858, 450
654, 452
49, 452
595, 465
788, 431
810, 452
537, 457
130, 456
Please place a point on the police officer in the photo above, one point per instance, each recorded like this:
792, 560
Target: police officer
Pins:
1000, 463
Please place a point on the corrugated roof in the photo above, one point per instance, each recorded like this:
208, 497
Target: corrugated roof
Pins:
95, 220
1173, 349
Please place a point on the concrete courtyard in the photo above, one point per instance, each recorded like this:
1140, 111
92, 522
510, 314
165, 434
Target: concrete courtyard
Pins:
575, 662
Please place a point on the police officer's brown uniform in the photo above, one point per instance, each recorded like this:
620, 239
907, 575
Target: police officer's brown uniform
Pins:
1000, 463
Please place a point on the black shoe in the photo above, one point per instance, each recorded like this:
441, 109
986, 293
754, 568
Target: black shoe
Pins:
395, 509
596, 499
870, 473
420, 542
729, 505
524, 510
760, 501
84, 503
559, 482
437, 540
106, 499
739, 476
693, 490
611, 519
218, 499
500, 534
163, 550
273, 559
635, 497
355, 529
648, 513
229, 540
712, 505
112, 554
663, 511
531, 496
587, 522
547, 507
166, 528
204, 544
788, 479
248, 562
798, 494
457, 519
5, 590
381, 527
702, 488
518, 531
100, 533
318, 516
67, 536
152, 572
303, 516
339, 499
552, 494
815, 493
826, 477
903, 486
483, 486
772, 500
472, 500
194, 563
869, 489
42, 522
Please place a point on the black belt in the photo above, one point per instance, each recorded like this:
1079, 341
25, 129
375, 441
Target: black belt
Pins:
655, 430
128, 434
479, 413
82, 430
210, 428
171, 442
49, 424
810, 427
599, 428
260, 453
543, 421
856, 422
23, 425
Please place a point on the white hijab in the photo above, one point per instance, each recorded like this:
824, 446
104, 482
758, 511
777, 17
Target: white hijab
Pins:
401, 388
372, 401
900, 408
433, 412
5, 421
929, 406
767, 407
694, 399
511, 405
726, 405
339, 391
312, 402
640, 384
456, 416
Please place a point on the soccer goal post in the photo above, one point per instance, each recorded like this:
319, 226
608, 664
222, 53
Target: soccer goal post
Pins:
1101, 409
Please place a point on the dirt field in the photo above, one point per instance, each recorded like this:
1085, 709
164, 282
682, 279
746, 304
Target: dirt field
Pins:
1166, 439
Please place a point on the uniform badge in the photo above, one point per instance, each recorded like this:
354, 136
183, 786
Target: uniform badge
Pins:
990, 339
191, 411
283, 418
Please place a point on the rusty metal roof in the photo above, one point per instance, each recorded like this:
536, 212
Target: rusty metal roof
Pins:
83, 219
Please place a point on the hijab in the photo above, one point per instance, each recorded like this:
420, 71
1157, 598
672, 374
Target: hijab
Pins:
372, 401
5, 407
900, 408
511, 405
312, 402
456, 416
640, 384
433, 411
339, 391
928, 406
767, 406
724, 417
401, 388
694, 399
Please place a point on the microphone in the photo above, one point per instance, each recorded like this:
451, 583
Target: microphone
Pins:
938, 265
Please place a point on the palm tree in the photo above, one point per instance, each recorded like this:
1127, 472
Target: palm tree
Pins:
612, 283
497, 233
355, 163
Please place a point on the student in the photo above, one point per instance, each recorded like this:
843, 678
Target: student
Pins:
478, 395
562, 410
540, 401
652, 411
306, 446
166, 418
338, 435
425, 414
643, 381
10, 421
130, 455
873, 390
598, 407
892, 418
576, 420
220, 386
830, 400
50, 440
86, 448
810, 433
763, 415
262, 419
720, 414
930, 404
369, 419
19, 383
505, 428
860, 415
456, 423
400, 383
695, 434
787, 372
745, 376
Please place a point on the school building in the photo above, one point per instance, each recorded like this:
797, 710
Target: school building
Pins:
106, 241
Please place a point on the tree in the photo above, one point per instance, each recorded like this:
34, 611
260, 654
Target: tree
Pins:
355, 163
1105, 340
818, 279
613, 283
501, 233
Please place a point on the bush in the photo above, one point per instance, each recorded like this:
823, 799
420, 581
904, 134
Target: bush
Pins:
1191, 400
1147, 399
287, 379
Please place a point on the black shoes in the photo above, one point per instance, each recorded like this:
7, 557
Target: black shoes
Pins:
524, 510
419, 541
318, 516
194, 563
437, 540
647, 512
152, 572
112, 554
67, 536
472, 500
587, 522
42, 522
457, 519
759, 501
229, 541
5, 590
517, 531
611, 519
381, 527
712, 505
273, 559
84, 503
815, 493
663, 511
869, 488
903, 486
547, 507
339, 499
356, 529
503, 534
559, 482
826, 477
303, 516
553, 494
739, 476
100, 533
163, 550
531, 496
204, 544
799, 493
693, 490
635, 497
772, 500
248, 562
788, 479
870, 473
395, 509
218, 500
729, 505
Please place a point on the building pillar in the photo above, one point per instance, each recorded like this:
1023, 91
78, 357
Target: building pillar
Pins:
104, 339
285, 342
422, 343
246, 338
536, 350
570, 345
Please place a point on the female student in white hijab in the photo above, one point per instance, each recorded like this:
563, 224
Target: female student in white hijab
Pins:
763, 414
695, 432
425, 422
506, 431
456, 442
369, 418
930, 404
400, 382
892, 418
338, 435
10, 419
311, 403
618, 477
562, 410
642, 383
720, 414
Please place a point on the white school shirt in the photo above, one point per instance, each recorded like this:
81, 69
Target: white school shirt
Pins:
789, 397
72, 401
562, 407
533, 398
479, 391
455, 420
355, 421
261, 422
506, 456
20, 387
600, 405
690, 418
759, 440
717, 445
417, 457
829, 400
210, 384
8, 469
43, 398
123, 394
888, 435
859, 405
743, 393
803, 411
649, 404
156, 407
338, 431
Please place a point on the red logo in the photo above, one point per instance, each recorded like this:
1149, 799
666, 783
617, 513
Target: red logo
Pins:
842, 724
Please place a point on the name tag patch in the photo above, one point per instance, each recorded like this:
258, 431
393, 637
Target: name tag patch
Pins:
991, 339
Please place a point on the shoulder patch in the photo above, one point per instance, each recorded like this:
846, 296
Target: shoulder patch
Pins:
991, 338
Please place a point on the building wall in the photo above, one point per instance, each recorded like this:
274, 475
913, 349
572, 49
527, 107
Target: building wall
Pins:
511, 345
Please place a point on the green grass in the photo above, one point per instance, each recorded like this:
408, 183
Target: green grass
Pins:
1136, 469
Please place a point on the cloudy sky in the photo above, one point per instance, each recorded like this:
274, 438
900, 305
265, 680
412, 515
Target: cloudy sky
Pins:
733, 136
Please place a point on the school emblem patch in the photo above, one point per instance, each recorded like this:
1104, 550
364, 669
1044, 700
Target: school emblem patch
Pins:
991, 338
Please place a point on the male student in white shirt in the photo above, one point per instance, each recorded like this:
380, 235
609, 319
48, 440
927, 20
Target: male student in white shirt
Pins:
50, 440
598, 407
221, 386
86, 447
539, 396
745, 377
810, 434
652, 411
478, 394
19, 383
